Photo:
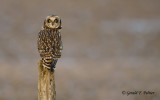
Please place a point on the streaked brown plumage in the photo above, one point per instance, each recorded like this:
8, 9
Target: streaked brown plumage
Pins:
49, 41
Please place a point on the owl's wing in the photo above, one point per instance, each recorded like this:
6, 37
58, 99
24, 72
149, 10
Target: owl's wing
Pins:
49, 44
57, 45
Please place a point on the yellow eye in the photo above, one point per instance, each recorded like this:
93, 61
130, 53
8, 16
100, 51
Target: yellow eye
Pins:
56, 20
49, 21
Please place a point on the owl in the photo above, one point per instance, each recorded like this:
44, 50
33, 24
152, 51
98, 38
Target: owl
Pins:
49, 41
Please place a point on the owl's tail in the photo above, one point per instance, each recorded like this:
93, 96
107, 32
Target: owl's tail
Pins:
50, 63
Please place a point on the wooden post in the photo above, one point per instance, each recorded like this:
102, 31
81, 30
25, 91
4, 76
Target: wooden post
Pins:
46, 83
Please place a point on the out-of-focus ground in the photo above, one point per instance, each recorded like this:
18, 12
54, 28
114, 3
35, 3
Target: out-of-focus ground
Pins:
110, 46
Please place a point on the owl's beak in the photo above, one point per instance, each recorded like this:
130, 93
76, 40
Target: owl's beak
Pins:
52, 23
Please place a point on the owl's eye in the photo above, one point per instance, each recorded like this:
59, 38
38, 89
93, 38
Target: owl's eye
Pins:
49, 21
56, 20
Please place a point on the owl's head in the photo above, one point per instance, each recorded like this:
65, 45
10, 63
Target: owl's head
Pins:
52, 22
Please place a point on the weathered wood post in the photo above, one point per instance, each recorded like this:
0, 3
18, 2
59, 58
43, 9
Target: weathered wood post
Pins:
46, 83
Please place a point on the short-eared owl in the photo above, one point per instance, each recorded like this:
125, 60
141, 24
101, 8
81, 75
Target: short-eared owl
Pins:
49, 41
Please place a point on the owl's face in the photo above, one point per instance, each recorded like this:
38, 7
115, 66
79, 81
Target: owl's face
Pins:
53, 22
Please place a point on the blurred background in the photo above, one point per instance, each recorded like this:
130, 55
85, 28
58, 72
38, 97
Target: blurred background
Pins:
110, 46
